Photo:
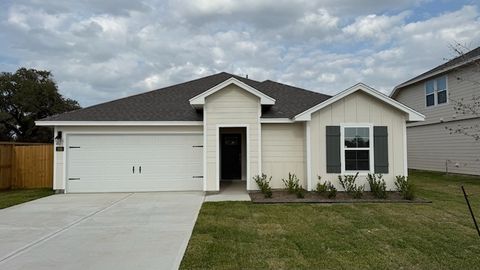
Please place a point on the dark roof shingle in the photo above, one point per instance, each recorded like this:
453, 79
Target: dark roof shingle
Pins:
172, 103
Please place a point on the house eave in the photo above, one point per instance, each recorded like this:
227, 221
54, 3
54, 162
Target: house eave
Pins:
118, 123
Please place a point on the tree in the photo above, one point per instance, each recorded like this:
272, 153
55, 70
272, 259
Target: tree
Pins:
469, 108
26, 96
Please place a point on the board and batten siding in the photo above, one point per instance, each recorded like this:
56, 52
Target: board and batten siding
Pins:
429, 144
359, 108
283, 152
234, 107
432, 147
59, 157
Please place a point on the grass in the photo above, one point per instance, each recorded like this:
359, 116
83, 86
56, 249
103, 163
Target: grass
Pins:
440, 235
17, 196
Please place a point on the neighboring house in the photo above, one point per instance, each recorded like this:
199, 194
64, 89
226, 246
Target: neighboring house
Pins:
193, 135
430, 144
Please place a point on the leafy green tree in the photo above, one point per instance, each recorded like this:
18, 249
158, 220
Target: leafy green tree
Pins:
26, 96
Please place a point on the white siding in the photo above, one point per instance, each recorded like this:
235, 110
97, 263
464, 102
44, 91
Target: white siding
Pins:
236, 107
283, 151
358, 108
429, 147
59, 169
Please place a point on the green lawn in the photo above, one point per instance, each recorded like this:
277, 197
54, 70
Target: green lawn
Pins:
440, 235
12, 197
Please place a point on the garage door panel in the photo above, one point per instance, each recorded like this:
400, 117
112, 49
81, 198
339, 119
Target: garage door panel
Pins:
140, 186
104, 163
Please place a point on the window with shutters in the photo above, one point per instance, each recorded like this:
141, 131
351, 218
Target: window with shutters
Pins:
357, 145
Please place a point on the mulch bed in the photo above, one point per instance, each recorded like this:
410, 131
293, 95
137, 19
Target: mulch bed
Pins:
282, 196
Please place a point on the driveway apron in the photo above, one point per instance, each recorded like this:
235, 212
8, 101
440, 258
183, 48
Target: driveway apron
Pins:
99, 231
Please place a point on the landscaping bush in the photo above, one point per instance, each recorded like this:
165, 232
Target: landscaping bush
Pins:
332, 191
264, 184
326, 187
321, 188
292, 184
349, 185
300, 192
405, 187
378, 187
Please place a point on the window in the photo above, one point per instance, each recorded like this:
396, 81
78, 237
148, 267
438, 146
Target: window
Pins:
357, 148
436, 91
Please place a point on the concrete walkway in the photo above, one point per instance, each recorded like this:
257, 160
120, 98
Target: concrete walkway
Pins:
99, 231
230, 191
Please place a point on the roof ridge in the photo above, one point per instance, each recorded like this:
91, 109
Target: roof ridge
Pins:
297, 88
142, 93
466, 57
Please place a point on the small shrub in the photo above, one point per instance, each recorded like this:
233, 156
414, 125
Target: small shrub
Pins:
378, 187
321, 188
300, 192
292, 184
264, 184
349, 185
405, 187
326, 187
332, 191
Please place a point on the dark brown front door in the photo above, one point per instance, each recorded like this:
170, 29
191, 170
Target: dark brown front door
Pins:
231, 156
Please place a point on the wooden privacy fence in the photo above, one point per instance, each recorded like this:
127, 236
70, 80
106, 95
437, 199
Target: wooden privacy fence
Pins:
26, 165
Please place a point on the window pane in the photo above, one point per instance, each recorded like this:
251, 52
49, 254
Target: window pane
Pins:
363, 142
441, 83
363, 165
357, 160
442, 97
350, 132
351, 154
357, 137
429, 87
430, 100
350, 142
350, 165
362, 132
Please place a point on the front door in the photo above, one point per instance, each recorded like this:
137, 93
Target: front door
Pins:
231, 156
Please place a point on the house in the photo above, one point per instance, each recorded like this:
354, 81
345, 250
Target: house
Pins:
434, 93
193, 135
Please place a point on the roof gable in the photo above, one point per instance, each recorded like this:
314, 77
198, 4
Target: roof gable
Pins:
412, 114
199, 100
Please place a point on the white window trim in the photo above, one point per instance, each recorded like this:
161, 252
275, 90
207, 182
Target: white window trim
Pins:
435, 91
342, 148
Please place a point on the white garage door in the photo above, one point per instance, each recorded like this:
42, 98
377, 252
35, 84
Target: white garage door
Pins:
124, 163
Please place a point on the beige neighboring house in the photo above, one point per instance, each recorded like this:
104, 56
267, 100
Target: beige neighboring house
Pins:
433, 93
198, 134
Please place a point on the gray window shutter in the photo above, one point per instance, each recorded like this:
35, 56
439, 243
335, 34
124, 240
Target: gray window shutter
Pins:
333, 149
380, 149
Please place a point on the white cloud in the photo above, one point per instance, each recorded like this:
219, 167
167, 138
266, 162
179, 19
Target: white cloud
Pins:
101, 50
378, 28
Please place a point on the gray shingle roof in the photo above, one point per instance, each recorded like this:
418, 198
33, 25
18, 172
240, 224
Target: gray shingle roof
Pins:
172, 103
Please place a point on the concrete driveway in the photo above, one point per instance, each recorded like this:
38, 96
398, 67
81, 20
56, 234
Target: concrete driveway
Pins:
99, 231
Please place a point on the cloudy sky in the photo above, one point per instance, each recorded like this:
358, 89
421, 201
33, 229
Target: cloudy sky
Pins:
102, 50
